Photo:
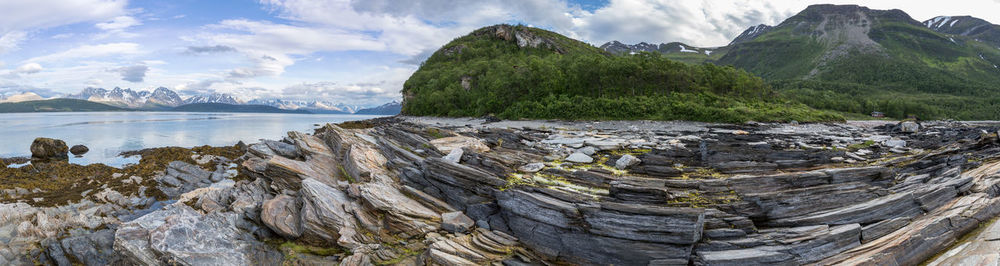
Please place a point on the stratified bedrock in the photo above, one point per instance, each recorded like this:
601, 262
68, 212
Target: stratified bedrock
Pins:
419, 191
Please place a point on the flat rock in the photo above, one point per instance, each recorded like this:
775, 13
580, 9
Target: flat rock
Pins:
579, 158
456, 222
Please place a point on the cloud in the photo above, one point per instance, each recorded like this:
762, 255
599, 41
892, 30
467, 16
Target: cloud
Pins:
90, 51
10, 40
209, 49
119, 23
24, 15
29, 68
135, 74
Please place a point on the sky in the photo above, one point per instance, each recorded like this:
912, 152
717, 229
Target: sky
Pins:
345, 51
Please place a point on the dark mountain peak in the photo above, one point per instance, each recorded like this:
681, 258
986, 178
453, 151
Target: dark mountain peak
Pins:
751, 33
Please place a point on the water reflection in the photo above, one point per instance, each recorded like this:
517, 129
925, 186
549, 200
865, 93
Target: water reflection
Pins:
109, 133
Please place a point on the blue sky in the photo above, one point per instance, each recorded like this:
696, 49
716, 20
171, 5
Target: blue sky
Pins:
350, 51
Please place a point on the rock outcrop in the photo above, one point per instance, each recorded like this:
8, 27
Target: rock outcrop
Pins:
667, 193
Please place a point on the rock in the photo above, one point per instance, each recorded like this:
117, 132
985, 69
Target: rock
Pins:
447, 144
454, 156
589, 150
531, 167
183, 236
837, 159
626, 161
909, 127
281, 214
895, 143
46, 149
79, 150
456, 222
579, 158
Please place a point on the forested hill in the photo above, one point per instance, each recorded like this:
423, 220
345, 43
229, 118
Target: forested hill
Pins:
525, 72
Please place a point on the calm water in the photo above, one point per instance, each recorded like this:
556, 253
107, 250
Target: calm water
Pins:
109, 133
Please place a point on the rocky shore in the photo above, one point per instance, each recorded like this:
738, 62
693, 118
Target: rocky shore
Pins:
417, 191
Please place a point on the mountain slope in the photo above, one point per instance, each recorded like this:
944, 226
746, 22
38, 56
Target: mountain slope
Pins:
524, 72
392, 108
56, 105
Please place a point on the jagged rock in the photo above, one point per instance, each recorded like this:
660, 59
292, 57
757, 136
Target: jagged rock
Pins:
182, 177
46, 149
579, 158
626, 161
281, 214
323, 215
456, 222
181, 235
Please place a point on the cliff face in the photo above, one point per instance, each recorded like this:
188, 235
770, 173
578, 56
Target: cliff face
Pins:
461, 192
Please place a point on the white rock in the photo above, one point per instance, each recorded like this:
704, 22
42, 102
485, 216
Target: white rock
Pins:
579, 158
895, 143
626, 161
454, 156
531, 167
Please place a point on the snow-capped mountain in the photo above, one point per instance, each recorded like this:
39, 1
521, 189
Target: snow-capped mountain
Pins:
392, 108
617, 47
751, 33
307, 105
130, 98
214, 98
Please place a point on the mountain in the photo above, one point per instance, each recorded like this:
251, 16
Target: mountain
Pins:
159, 98
311, 106
854, 59
214, 98
56, 105
231, 108
392, 108
27, 96
524, 72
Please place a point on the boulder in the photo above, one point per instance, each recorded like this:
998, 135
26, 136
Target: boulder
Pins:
281, 214
456, 222
579, 158
79, 150
627, 161
46, 149
446, 145
909, 127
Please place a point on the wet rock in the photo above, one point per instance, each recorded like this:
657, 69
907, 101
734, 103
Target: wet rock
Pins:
626, 161
456, 222
78, 150
46, 149
579, 158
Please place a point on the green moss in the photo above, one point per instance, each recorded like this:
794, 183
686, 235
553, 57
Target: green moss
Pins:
346, 175
863, 145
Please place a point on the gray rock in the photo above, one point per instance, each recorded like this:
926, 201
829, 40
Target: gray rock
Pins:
281, 214
454, 156
181, 235
880, 229
909, 127
531, 167
579, 158
895, 143
626, 161
456, 222
741, 257
589, 150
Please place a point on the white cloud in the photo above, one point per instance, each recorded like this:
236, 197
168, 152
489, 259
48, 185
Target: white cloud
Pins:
90, 51
29, 68
118, 23
27, 14
10, 40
